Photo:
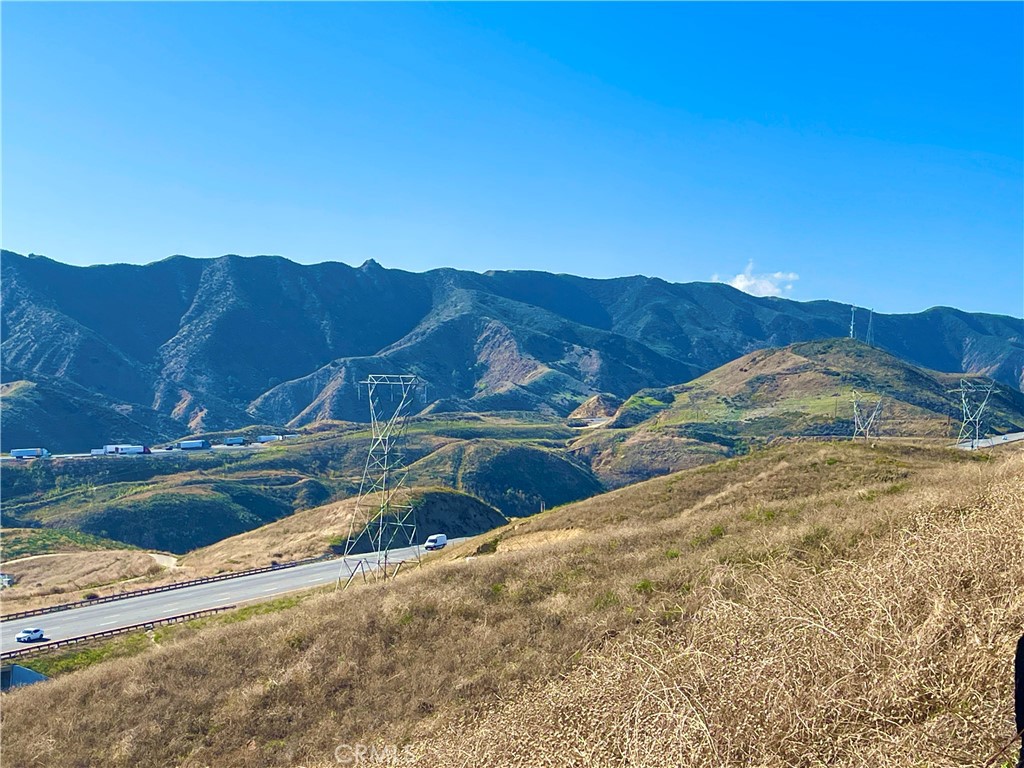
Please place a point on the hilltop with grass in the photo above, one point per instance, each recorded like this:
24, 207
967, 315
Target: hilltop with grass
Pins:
803, 390
326, 529
846, 603
515, 462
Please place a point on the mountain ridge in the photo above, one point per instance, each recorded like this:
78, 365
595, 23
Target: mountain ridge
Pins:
225, 342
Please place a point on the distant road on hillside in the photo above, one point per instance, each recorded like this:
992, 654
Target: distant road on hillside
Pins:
155, 452
988, 442
136, 610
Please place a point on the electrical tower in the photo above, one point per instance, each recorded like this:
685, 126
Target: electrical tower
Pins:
864, 422
974, 397
853, 319
382, 519
871, 328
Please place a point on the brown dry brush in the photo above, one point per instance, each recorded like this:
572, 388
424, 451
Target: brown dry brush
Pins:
755, 647
902, 659
61, 577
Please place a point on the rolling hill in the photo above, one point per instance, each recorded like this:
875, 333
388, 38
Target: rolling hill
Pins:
847, 604
516, 463
314, 532
179, 502
804, 389
224, 343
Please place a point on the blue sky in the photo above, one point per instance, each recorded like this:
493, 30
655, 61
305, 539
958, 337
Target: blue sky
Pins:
867, 153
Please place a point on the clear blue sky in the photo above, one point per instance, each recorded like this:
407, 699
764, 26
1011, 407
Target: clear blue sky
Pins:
868, 153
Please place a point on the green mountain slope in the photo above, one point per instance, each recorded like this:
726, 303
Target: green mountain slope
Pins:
178, 502
807, 389
519, 480
49, 413
222, 343
804, 389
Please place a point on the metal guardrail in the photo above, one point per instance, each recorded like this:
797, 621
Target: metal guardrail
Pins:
32, 649
162, 588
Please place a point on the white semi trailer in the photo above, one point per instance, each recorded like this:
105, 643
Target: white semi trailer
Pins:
30, 453
194, 445
124, 450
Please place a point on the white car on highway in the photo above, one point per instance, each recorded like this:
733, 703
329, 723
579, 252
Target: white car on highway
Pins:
29, 635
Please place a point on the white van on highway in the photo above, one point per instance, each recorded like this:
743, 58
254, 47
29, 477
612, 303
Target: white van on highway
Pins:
435, 541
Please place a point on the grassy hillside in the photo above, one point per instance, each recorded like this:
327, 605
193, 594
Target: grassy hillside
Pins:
204, 349
69, 574
312, 532
807, 389
801, 390
809, 604
173, 513
25, 542
518, 463
56, 415
517, 479
186, 500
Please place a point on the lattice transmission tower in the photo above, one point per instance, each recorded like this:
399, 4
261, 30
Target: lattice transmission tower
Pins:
865, 418
974, 397
869, 337
383, 519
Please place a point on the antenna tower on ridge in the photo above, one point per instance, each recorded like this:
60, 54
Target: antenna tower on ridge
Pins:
383, 519
974, 397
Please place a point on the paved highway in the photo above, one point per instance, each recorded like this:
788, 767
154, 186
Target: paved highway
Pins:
161, 605
154, 452
988, 442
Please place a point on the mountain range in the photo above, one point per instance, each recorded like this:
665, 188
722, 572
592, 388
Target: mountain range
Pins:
186, 345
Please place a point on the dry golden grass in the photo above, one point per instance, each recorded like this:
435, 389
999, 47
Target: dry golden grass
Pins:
809, 605
309, 533
46, 579
902, 659
304, 534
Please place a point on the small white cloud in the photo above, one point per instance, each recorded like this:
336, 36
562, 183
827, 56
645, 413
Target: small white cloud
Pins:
769, 284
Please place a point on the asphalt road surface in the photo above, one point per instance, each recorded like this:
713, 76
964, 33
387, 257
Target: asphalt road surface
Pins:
154, 452
988, 442
161, 605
